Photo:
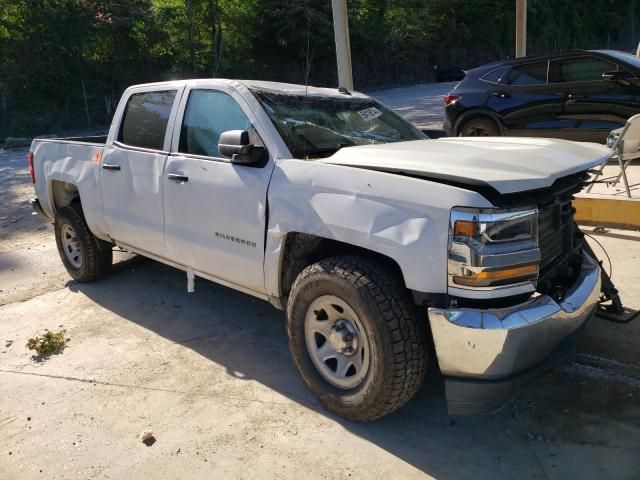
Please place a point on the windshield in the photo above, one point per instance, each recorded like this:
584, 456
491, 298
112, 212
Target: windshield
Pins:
319, 126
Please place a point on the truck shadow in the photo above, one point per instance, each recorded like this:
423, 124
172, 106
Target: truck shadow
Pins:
247, 337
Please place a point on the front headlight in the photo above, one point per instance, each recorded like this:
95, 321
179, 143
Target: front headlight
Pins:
493, 247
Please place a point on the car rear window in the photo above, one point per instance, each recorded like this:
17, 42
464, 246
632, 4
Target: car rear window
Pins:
530, 74
627, 58
495, 76
583, 69
145, 119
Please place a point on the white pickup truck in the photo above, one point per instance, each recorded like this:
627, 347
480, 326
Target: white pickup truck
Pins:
387, 249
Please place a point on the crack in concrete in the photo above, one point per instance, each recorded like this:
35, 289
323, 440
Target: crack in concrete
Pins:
96, 382
240, 399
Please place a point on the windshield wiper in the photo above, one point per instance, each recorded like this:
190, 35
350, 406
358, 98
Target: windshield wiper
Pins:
325, 152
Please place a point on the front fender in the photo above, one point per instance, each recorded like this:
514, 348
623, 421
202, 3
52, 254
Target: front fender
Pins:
403, 218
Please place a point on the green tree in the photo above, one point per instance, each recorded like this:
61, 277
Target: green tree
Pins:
53, 51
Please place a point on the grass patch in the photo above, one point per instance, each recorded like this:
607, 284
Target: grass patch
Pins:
49, 343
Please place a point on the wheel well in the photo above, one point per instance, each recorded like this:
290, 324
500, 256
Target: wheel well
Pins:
302, 250
63, 194
478, 114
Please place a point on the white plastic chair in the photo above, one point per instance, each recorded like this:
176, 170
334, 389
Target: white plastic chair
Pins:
627, 149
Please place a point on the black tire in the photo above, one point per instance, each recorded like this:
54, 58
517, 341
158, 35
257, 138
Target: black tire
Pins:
397, 337
479, 127
96, 256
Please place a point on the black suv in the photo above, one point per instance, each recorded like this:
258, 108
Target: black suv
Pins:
577, 95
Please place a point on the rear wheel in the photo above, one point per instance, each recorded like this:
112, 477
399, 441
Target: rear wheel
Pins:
355, 337
86, 257
479, 127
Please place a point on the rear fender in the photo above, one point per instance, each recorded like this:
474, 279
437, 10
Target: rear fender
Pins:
72, 165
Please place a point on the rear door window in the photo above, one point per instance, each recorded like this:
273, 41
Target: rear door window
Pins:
145, 119
495, 76
530, 74
582, 69
208, 114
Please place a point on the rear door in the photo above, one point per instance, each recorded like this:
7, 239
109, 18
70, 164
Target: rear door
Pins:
593, 106
525, 101
215, 211
131, 169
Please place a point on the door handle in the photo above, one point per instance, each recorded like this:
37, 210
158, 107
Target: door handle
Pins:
108, 166
501, 94
564, 94
176, 177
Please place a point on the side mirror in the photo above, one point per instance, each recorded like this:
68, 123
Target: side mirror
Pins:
616, 75
235, 145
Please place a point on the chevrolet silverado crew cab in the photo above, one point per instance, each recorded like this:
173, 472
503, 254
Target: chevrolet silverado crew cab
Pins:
387, 249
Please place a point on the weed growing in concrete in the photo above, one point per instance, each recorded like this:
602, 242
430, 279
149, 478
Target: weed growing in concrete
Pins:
50, 342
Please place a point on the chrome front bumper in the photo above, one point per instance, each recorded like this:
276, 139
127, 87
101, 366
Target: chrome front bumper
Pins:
496, 344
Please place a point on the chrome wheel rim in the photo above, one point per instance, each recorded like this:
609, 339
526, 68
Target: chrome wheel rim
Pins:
71, 245
337, 342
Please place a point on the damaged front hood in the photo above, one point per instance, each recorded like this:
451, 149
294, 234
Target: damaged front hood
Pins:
509, 165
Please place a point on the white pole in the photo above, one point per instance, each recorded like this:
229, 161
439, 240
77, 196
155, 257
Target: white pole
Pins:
521, 28
343, 49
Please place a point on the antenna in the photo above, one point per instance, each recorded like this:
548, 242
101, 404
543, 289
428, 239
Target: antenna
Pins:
306, 89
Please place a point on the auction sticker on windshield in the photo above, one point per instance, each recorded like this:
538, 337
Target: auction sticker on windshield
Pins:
369, 114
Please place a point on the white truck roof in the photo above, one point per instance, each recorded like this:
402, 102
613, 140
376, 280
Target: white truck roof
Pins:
275, 87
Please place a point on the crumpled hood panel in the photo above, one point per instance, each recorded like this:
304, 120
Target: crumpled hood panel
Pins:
509, 165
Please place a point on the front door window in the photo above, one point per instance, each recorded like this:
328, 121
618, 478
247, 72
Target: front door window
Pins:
209, 113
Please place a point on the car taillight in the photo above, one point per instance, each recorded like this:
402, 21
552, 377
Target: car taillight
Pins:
449, 99
32, 172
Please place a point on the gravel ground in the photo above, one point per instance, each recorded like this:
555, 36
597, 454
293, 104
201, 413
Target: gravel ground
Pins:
422, 105
209, 374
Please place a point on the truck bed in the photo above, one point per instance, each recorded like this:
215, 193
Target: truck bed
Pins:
92, 139
71, 161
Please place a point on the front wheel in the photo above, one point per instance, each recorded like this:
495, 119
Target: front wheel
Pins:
355, 337
86, 257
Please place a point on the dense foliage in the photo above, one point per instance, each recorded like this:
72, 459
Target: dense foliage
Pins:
64, 63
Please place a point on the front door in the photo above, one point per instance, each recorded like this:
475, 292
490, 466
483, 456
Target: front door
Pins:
131, 171
215, 211
593, 106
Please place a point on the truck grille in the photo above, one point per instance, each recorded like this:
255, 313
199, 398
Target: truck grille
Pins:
558, 238
555, 230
